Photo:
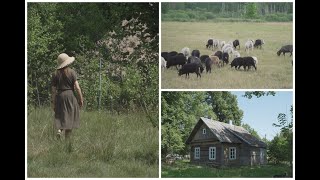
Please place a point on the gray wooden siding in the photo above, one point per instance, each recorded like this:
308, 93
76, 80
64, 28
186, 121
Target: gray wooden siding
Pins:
199, 136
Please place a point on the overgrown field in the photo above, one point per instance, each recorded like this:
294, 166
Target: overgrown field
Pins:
183, 168
105, 145
273, 72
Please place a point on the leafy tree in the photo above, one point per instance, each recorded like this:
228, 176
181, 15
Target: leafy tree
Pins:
281, 147
250, 94
225, 106
251, 10
251, 130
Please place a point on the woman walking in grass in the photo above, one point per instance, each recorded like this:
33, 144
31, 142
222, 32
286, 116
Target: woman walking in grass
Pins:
64, 103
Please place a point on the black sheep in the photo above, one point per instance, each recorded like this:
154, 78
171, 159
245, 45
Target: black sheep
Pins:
258, 43
190, 68
236, 43
225, 58
243, 61
196, 53
203, 58
209, 43
209, 63
285, 49
176, 60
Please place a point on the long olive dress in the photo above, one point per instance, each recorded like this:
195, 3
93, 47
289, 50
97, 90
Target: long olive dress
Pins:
66, 107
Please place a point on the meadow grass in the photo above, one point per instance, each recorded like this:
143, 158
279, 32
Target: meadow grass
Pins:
105, 145
273, 72
183, 168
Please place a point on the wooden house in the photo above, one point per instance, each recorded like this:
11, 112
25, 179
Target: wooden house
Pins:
220, 144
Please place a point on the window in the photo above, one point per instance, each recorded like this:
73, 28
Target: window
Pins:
197, 153
232, 153
212, 153
204, 131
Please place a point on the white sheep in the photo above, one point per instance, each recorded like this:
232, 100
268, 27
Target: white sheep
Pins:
225, 47
228, 50
163, 63
186, 52
249, 45
215, 43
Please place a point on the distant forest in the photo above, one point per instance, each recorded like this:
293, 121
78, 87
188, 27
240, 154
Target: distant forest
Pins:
250, 11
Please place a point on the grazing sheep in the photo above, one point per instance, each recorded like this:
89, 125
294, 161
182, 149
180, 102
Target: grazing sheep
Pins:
255, 60
193, 59
208, 63
285, 49
203, 58
190, 68
249, 45
225, 58
163, 63
209, 43
222, 43
196, 53
176, 60
236, 54
186, 52
236, 43
258, 42
243, 61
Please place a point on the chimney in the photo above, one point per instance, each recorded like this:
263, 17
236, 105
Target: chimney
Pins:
230, 122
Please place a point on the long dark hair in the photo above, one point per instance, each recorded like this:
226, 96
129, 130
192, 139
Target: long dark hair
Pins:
65, 72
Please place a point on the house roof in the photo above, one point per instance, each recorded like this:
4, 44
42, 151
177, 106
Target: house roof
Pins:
227, 133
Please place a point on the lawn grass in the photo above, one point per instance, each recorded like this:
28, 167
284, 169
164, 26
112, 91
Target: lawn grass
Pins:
273, 72
105, 145
183, 168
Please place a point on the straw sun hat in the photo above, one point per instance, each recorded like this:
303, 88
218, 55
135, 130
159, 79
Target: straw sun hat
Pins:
64, 60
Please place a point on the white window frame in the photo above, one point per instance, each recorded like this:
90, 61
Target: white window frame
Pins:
214, 153
204, 131
234, 155
196, 149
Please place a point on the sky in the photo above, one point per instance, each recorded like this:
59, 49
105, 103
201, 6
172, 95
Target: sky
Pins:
260, 113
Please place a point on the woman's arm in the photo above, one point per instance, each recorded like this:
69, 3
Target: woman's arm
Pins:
53, 98
78, 89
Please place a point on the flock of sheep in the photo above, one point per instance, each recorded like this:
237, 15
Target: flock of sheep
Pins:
194, 63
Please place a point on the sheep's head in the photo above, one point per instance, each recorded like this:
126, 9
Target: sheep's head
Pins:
180, 72
278, 53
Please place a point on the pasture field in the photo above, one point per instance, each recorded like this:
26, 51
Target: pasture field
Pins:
182, 168
273, 72
105, 145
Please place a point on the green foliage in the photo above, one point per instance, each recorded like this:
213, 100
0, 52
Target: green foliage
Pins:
279, 17
281, 146
218, 11
251, 130
105, 145
225, 106
185, 169
251, 10
250, 94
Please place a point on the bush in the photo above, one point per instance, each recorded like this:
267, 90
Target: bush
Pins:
278, 17
209, 15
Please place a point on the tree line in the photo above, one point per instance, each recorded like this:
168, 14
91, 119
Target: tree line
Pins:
268, 11
114, 42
